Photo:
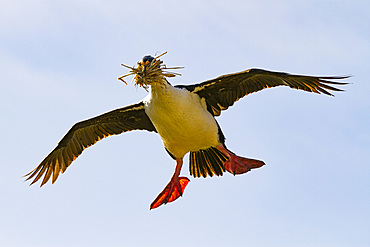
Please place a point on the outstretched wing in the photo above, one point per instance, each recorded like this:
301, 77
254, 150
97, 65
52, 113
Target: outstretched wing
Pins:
223, 91
87, 133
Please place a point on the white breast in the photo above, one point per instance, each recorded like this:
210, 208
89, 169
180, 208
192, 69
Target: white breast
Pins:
181, 120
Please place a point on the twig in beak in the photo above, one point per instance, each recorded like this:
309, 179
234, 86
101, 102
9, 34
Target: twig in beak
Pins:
160, 55
121, 78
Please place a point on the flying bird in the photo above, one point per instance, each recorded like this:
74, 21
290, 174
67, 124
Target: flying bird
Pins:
183, 116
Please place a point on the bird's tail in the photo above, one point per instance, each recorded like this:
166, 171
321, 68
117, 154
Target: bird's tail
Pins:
207, 162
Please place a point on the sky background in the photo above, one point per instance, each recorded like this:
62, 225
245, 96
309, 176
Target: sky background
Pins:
59, 64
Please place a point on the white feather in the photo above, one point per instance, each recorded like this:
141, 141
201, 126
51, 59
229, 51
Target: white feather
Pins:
181, 119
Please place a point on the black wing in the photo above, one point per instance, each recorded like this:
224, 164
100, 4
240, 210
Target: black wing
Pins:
223, 91
87, 133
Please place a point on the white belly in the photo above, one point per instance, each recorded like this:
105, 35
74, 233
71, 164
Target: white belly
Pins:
181, 120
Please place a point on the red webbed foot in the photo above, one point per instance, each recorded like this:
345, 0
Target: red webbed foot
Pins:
239, 165
174, 189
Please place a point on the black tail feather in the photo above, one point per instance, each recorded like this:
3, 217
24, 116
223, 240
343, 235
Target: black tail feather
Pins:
207, 162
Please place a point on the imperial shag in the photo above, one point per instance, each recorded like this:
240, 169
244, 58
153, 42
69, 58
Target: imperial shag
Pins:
184, 117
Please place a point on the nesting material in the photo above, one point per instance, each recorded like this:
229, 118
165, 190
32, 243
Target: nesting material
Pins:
154, 72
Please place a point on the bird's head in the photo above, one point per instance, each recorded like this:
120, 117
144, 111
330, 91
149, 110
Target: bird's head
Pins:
149, 71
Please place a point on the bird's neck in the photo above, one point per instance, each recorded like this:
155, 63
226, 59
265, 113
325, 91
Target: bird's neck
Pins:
160, 89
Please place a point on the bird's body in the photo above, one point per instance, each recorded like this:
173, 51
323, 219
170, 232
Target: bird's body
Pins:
181, 119
184, 117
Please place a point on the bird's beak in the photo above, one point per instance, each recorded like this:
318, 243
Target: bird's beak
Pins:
144, 68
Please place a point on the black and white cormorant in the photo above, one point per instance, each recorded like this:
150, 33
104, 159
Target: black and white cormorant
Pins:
184, 117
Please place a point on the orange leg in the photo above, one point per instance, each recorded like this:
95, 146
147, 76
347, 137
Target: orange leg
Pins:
174, 189
238, 165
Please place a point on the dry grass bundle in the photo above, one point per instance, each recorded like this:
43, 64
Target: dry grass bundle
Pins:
150, 74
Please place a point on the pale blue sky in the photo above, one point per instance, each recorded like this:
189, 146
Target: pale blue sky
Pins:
59, 64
